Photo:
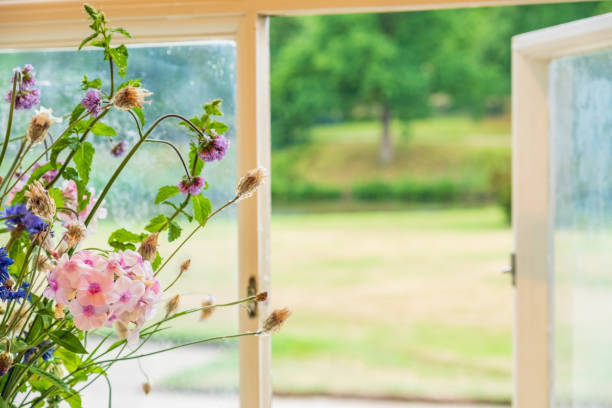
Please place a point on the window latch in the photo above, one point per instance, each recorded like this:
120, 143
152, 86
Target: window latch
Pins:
511, 269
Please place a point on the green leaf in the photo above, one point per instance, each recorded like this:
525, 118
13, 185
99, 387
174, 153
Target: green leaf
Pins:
73, 399
63, 143
219, 127
124, 239
51, 377
38, 173
193, 155
101, 129
213, 107
93, 13
166, 192
86, 40
87, 84
174, 231
76, 112
57, 196
83, 159
157, 223
157, 261
120, 57
121, 30
67, 340
138, 112
71, 360
201, 208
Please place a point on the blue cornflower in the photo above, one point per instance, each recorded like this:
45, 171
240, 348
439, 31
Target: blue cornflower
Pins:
8, 294
5, 262
21, 217
46, 356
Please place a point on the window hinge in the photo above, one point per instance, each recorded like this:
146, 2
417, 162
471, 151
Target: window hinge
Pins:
512, 268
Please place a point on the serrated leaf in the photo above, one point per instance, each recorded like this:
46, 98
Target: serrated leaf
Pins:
76, 112
140, 114
157, 223
174, 231
66, 141
219, 127
121, 30
57, 196
201, 208
102, 129
67, 340
83, 159
213, 107
120, 57
51, 377
157, 261
124, 239
87, 84
166, 192
86, 40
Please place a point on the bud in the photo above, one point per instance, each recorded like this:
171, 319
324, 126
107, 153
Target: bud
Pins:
121, 328
250, 182
148, 248
276, 319
206, 307
146, 388
39, 201
130, 97
261, 297
172, 305
75, 232
184, 266
38, 128
6, 362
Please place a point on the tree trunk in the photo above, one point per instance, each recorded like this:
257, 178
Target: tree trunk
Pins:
386, 144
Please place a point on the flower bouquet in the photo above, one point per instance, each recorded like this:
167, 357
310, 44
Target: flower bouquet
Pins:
55, 294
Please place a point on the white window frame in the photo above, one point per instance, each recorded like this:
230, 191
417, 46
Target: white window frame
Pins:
532, 208
36, 24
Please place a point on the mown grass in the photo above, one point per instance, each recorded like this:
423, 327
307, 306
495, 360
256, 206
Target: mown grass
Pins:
405, 303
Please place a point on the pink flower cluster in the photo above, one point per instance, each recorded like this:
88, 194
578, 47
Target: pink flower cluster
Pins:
103, 291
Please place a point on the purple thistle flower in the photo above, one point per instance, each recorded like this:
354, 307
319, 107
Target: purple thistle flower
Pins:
215, 149
26, 95
91, 102
191, 186
119, 149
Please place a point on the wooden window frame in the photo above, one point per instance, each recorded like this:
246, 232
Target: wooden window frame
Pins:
532, 208
37, 24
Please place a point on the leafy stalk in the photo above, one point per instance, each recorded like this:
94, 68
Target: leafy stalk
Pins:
7, 135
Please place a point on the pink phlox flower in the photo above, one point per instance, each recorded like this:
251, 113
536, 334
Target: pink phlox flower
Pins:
59, 288
94, 288
88, 317
125, 295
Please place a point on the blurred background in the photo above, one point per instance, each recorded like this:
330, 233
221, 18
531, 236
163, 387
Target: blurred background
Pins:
391, 201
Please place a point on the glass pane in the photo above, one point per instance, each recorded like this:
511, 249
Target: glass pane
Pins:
581, 140
182, 77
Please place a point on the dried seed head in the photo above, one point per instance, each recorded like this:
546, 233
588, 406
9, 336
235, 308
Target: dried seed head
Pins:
207, 310
148, 248
146, 388
121, 328
184, 266
38, 128
130, 97
75, 233
250, 182
39, 201
172, 305
59, 310
9, 283
276, 319
261, 297
43, 264
6, 362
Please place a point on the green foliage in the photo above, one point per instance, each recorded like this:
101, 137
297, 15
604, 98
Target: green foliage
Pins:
174, 231
83, 158
87, 84
101, 129
201, 208
67, 340
122, 239
166, 192
157, 223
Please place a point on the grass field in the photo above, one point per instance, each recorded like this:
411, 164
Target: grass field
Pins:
404, 303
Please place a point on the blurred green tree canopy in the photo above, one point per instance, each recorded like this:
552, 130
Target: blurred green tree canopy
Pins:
398, 65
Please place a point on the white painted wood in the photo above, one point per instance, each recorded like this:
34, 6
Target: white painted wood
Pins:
532, 206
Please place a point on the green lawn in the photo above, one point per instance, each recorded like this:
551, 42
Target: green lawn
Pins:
405, 303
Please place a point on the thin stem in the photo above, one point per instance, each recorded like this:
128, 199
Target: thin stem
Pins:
184, 119
136, 121
9, 125
233, 200
112, 77
175, 149
9, 173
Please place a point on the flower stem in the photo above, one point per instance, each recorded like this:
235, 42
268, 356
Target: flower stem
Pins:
10, 118
175, 149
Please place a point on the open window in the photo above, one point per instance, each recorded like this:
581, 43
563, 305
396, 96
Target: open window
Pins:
562, 150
